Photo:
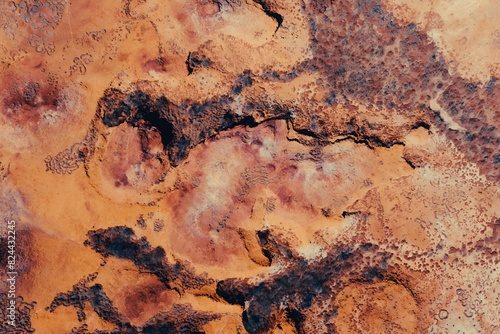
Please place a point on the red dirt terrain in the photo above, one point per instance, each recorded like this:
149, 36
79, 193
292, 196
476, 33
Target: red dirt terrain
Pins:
260, 166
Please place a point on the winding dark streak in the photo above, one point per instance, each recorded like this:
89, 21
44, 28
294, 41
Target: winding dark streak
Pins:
272, 14
364, 56
367, 56
286, 296
121, 242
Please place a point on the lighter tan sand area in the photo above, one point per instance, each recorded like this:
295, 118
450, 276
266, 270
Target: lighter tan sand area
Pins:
260, 166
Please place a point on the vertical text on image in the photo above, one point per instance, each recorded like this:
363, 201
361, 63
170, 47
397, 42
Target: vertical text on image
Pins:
11, 272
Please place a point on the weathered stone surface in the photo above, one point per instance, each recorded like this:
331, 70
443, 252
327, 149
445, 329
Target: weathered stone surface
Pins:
261, 166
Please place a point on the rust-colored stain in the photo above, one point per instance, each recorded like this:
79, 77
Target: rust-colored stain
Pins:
205, 166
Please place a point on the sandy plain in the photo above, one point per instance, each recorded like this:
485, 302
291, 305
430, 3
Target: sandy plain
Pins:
251, 166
